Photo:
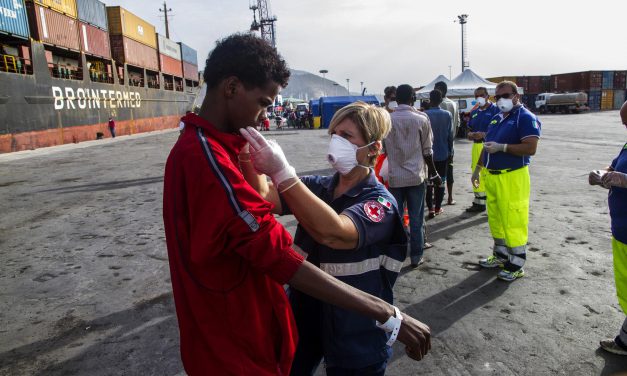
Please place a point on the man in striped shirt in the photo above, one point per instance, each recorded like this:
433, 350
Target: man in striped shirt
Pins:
410, 148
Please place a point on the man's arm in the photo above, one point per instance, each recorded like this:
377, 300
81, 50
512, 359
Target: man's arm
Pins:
312, 281
527, 147
259, 182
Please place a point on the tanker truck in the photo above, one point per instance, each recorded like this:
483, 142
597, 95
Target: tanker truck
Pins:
562, 103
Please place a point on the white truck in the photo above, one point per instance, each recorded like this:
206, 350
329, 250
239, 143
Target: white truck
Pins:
562, 103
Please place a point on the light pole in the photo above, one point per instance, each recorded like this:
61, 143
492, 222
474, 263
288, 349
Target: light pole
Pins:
348, 86
449, 71
361, 86
463, 19
335, 85
324, 83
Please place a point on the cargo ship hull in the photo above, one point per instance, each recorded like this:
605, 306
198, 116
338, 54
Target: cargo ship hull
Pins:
39, 110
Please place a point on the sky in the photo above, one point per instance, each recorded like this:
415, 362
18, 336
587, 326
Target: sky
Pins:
391, 42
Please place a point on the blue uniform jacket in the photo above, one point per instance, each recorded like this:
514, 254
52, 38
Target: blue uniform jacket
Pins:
480, 119
519, 124
617, 200
347, 339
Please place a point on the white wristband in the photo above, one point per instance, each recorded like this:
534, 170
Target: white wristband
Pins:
392, 325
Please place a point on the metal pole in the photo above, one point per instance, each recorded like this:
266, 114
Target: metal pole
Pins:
348, 86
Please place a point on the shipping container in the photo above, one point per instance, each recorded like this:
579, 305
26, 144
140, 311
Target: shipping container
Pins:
52, 28
607, 99
92, 12
523, 82
94, 41
608, 80
594, 100
67, 7
620, 80
190, 71
170, 66
13, 19
123, 22
535, 85
126, 50
169, 47
189, 54
619, 98
595, 80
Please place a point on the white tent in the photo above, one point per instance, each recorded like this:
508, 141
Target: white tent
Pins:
420, 94
461, 86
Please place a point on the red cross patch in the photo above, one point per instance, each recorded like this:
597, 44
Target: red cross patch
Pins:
374, 211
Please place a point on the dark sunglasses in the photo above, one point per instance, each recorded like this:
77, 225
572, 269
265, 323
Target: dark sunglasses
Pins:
504, 96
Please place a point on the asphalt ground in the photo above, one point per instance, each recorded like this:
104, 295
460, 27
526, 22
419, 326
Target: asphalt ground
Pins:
85, 285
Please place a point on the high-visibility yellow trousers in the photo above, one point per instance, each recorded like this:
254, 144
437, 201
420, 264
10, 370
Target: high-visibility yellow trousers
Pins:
508, 215
477, 148
620, 272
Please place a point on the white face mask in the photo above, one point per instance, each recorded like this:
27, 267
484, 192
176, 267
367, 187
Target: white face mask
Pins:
505, 105
342, 154
481, 101
392, 105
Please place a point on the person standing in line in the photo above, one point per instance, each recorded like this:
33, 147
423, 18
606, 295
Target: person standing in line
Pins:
443, 135
112, 127
229, 257
614, 178
477, 128
409, 147
511, 140
450, 106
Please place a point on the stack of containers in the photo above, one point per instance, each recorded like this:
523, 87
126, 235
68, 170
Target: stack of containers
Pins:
620, 85
607, 93
169, 56
13, 20
54, 22
190, 62
133, 40
592, 82
93, 28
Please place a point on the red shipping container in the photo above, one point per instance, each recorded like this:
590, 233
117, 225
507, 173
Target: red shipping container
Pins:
126, 50
620, 80
523, 82
52, 28
170, 66
94, 41
190, 71
535, 85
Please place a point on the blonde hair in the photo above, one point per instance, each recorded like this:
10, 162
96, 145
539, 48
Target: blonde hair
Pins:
374, 123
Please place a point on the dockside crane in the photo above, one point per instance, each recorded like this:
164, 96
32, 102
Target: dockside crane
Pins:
265, 25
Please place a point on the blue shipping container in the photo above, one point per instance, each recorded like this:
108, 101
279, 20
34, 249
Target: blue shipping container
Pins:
314, 106
329, 105
189, 54
13, 20
594, 100
92, 12
608, 80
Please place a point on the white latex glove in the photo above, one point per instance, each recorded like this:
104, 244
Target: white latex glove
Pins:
614, 179
594, 178
493, 147
267, 157
475, 179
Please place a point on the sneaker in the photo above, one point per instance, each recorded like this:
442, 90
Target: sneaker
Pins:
427, 245
491, 262
508, 276
431, 213
420, 262
476, 208
610, 345
439, 211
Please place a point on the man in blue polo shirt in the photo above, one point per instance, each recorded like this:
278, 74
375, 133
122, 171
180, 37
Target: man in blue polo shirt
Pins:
614, 178
511, 140
477, 128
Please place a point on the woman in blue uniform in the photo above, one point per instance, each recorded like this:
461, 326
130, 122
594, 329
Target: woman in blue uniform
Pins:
614, 178
366, 252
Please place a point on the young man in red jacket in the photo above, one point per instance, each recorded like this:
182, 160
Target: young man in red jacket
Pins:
229, 257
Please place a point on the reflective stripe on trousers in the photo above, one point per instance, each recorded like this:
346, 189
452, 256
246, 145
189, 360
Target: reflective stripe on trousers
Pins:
508, 214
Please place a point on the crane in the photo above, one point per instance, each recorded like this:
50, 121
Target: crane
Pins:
265, 25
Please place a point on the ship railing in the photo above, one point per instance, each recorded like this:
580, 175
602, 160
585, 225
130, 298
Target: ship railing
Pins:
179, 87
15, 64
153, 84
66, 72
102, 77
168, 85
136, 82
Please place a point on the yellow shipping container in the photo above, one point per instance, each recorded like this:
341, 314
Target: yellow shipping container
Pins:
123, 22
607, 99
67, 7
